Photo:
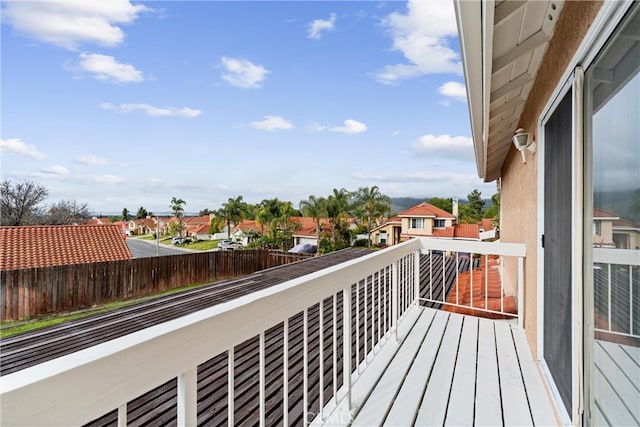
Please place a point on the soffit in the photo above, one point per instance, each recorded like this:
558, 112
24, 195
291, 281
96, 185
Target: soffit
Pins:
515, 37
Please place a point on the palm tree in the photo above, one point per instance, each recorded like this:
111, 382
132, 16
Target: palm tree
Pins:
316, 208
373, 205
234, 210
178, 212
337, 208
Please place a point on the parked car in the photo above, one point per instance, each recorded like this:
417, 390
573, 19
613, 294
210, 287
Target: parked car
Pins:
181, 240
228, 245
304, 248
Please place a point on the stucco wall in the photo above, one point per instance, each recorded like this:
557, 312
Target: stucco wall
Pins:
519, 181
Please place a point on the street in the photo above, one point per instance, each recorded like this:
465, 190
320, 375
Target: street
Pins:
147, 248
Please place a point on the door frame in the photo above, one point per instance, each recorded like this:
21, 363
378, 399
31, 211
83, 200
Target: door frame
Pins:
601, 29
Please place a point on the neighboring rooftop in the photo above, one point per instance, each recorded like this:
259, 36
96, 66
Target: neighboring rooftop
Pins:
426, 210
45, 246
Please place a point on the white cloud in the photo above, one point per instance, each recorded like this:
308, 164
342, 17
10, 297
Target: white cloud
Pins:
106, 68
15, 146
316, 127
420, 176
106, 179
422, 35
350, 127
272, 123
243, 73
55, 170
89, 160
454, 90
71, 23
152, 111
319, 25
446, 146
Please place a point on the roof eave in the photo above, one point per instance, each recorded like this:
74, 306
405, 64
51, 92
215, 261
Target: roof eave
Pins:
476, 35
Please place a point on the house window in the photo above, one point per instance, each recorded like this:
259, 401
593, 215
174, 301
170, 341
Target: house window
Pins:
438, 223
416, 223
597, 228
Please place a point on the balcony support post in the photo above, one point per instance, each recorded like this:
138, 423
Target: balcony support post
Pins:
346, 347
188, 398
520, 292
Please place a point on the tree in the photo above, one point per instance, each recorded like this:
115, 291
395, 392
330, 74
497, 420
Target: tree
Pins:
125, 214
233, 211
493, 211
177, 206
66, 212
316, 208
337, 211
476, 204
19, 202
142, 213
373, 204
444, 204
206, 212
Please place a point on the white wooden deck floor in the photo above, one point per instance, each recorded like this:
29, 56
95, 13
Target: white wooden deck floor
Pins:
617, 384
451, 369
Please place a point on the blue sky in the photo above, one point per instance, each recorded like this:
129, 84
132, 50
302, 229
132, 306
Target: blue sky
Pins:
127, 104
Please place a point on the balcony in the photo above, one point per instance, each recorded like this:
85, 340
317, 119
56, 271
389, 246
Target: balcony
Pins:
290, 354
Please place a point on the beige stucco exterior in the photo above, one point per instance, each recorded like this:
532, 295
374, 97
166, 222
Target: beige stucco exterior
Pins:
519, 202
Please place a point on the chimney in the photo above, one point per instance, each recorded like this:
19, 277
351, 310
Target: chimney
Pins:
455, 207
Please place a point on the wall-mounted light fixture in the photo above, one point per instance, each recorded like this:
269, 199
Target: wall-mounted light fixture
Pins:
521, 142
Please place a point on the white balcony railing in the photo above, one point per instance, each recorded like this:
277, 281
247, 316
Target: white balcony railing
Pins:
616, 274
338, 344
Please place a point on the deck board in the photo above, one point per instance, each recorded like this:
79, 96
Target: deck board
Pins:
408, 400
459, 370
460, 411
487, 399
617, 382
433, 409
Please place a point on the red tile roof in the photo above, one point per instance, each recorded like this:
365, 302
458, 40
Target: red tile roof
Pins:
428, 210
485, 292
44, 246
625, 223
600, 213
486, 224
466, 231
442, 232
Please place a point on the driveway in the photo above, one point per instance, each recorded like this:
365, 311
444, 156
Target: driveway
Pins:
147, 248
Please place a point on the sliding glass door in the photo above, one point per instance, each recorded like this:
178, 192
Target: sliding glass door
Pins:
612, 232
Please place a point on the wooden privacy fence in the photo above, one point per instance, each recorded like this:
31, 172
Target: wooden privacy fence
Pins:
30, 292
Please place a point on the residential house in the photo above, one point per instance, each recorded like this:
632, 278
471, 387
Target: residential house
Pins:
51, 245
388, 233
626, 234
98, 221
426, 220
553, 100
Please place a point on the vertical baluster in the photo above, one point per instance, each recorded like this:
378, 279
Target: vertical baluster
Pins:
609, 293
457, 280
230, 388
630, 300
385, 296
431, 275
122, 415
285, 374
471, 277
416, 276
366, 318
321, 356
444, 280
394, 298
335, 347
305, 367
262, 380
188, 398
520, 293
358, 327
486, 283
346, 346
